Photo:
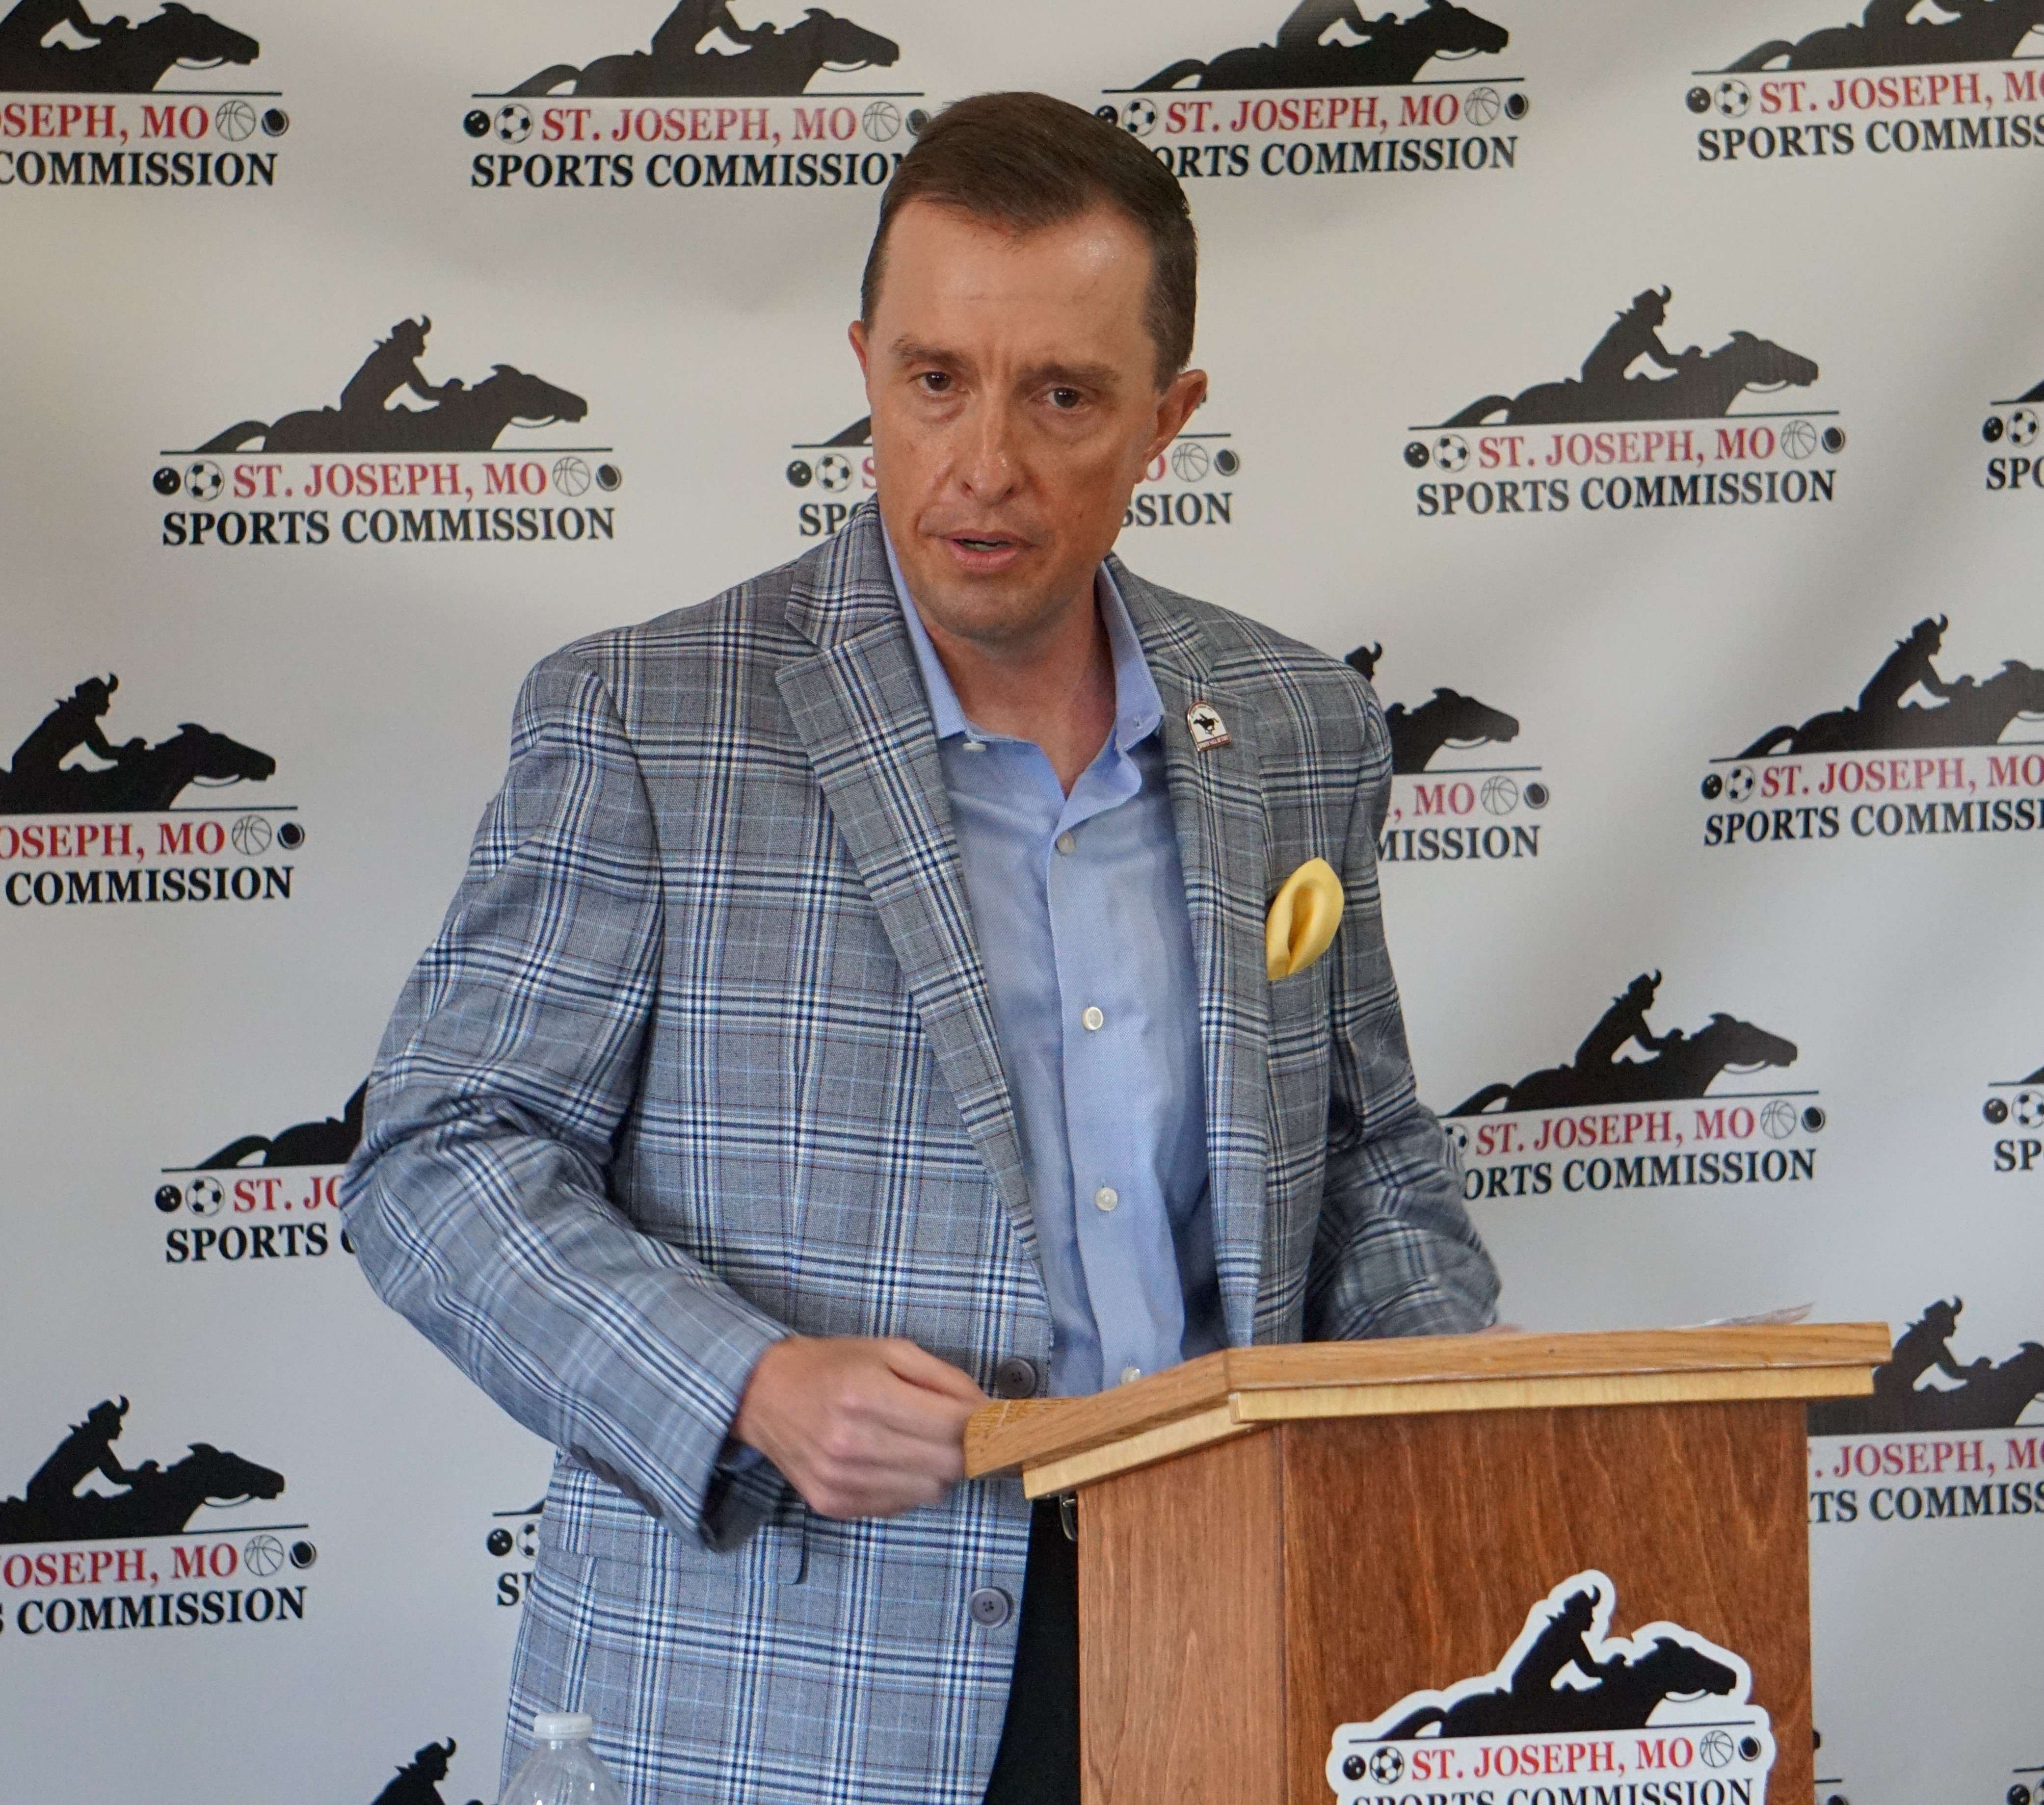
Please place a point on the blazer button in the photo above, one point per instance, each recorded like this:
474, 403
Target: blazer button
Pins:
990, 1607
1015, 1377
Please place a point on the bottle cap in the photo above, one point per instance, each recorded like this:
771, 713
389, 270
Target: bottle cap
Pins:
562, 1726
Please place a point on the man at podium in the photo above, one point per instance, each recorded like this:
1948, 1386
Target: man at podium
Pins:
864, 997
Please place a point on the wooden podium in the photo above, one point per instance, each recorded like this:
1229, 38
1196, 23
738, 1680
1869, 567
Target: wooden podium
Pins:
1276, 1542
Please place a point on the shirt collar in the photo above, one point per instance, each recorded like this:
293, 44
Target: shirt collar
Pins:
1139, 709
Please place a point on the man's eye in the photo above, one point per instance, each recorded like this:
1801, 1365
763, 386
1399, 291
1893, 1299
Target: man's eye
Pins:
935, 381
1064, 399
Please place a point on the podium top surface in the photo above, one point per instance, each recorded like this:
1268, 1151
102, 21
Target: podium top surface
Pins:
1060, 1442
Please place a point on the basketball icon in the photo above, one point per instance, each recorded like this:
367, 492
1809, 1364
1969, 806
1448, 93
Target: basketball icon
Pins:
250, 836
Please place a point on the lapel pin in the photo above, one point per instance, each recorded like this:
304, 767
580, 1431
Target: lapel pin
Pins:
1208, 730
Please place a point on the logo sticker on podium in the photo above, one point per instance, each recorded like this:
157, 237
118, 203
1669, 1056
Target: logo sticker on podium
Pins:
1663, 1709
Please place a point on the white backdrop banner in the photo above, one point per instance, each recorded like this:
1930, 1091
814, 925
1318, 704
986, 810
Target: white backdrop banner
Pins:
1648, 397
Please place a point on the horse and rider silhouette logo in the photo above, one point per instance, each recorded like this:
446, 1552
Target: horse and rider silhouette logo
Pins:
153, 1500
1678, 1065
1962, 711
417, 1781
1450, 718
118, 57
688, 57
1983, 1393
134, 776
1567, 1672
1893, 34
1697, 385
329, 1142
1306, 52
459, 415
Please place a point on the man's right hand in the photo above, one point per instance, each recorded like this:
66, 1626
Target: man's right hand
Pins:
860, 1428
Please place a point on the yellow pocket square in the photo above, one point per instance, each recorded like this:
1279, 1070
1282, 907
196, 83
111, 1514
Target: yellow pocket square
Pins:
1301, 924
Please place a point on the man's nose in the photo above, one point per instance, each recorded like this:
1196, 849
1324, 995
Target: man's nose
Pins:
988, 469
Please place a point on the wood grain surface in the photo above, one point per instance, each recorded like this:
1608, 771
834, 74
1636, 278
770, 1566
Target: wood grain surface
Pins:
1182, 1630
1006, 1436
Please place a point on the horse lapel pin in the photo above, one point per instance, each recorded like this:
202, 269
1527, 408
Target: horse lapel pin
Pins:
1209, 731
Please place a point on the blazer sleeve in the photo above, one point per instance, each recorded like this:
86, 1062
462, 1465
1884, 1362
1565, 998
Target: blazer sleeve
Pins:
478, 1200
1395, 1253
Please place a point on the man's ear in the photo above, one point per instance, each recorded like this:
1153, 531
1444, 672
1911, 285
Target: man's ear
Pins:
1174, 407
857, 335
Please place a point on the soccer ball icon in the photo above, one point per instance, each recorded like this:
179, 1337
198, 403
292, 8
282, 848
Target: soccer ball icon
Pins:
235, 120
250, 836
882, 120
203, 1196
1500, 794
1189, 460
1798, 438
1739, 783
263, 1555
203, 481
834, 472
1139, 116
1778, 1120
1733, 98
514, 124
2029, 1109
1386, 1766
2023, 426
571, 476
1451, 450
1480, 107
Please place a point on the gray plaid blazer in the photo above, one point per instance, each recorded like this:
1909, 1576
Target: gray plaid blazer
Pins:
703, 1054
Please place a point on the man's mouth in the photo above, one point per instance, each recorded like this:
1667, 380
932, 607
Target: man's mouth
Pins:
982, 554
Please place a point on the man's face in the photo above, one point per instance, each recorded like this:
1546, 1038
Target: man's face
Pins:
1013, 385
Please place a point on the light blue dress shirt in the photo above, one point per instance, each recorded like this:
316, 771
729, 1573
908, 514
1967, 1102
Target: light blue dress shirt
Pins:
1078, 905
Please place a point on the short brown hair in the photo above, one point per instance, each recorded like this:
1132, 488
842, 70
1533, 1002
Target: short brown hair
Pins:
1027, 162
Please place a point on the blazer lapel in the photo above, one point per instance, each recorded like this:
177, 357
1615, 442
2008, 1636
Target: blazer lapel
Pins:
1217, 805
858, 704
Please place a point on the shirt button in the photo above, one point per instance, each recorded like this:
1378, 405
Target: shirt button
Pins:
1131, 1374
975, 745
990, 1607
1094, 1020
1015, 1377
1068, 842
1106, 1197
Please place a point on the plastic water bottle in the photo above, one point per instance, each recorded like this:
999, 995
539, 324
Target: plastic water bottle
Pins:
562, 1769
